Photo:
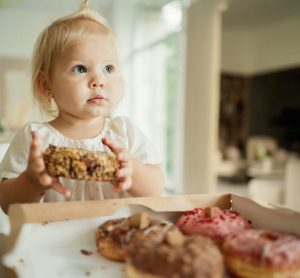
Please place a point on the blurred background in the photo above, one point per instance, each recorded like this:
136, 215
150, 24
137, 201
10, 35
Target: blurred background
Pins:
214, 84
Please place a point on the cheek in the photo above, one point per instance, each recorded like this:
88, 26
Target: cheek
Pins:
117, 89
117, 95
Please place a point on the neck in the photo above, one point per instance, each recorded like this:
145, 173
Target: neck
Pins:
77, 128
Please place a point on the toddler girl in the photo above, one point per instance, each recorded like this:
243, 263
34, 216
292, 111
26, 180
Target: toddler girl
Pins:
75, 67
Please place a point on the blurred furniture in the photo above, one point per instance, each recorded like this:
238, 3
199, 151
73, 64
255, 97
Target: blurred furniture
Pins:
266, 189
231, 166
266, 168
233, 121
234, 110
292, 183
264, 158
259, 147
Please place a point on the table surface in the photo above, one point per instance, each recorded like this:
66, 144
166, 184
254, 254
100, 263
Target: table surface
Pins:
4, 272
1, 254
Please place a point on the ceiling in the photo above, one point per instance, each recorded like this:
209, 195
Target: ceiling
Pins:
240, 13
255, 13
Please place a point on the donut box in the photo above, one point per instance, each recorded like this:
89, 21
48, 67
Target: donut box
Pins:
58, 239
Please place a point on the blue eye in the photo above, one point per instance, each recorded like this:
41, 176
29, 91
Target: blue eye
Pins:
79, 69
109, 69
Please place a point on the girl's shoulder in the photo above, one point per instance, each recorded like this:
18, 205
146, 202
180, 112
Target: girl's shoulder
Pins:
25, 131
23, 135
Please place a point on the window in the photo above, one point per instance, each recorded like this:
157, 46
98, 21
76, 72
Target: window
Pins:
153, 77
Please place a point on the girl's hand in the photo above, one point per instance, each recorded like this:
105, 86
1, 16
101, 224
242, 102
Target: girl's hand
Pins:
36, 170
124, 174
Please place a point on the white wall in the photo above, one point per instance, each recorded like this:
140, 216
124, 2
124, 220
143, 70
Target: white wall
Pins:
278, 46
19, 30
249, 51
237, 54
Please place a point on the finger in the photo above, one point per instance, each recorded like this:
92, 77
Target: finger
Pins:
115, 147
123, 172
61, 189
116, 186
45, 179
38, 165
123, 156
126, 184
36, 140
35, 147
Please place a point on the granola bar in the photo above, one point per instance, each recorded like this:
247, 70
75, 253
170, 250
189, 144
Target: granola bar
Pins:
80, 164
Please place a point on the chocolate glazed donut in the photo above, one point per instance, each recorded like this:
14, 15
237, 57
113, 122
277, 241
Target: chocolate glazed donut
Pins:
114, 236
175, 256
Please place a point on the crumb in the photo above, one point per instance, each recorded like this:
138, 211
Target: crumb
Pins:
86, 252
22, 262
87, 273
103, 267
45, 222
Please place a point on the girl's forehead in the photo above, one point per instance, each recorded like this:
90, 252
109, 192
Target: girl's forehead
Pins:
93, 45
84, 37
90, 49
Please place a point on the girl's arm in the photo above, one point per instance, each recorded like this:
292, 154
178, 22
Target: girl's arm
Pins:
147, 180
31, 185
18, 190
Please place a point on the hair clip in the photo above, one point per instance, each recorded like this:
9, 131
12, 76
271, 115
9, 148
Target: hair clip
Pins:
84, 4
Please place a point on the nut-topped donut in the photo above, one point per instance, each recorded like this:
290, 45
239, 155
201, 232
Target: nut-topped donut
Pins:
262, 253
176, 256
114, 236
212, 222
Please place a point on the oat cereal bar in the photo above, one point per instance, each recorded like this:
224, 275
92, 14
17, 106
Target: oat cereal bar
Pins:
80, 164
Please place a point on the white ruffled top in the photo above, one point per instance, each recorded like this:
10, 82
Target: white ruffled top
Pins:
119, 129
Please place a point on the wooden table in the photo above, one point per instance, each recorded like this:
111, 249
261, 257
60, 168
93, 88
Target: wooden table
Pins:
4, 271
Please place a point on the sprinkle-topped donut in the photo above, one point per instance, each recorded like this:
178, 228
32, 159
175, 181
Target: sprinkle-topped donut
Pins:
212, 222
262, 253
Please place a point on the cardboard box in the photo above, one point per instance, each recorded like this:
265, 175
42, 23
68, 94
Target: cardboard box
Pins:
46, 239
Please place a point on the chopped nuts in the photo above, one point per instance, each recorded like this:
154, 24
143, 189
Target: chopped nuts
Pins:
109, 228
213, 212
174, 238
139, 220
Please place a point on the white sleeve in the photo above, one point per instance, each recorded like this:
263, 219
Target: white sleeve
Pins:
15, 159
132, 137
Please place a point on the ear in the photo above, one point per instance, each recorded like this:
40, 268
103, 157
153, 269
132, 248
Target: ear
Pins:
43, 83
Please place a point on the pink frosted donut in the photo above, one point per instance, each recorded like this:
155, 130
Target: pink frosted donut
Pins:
212, 222
262, 253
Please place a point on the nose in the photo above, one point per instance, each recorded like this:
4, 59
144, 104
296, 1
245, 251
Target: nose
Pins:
97, 81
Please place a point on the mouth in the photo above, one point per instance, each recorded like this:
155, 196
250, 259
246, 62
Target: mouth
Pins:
97, 98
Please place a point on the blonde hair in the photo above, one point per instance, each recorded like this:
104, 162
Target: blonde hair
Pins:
61, 34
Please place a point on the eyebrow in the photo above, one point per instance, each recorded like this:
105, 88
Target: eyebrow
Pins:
75, 59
